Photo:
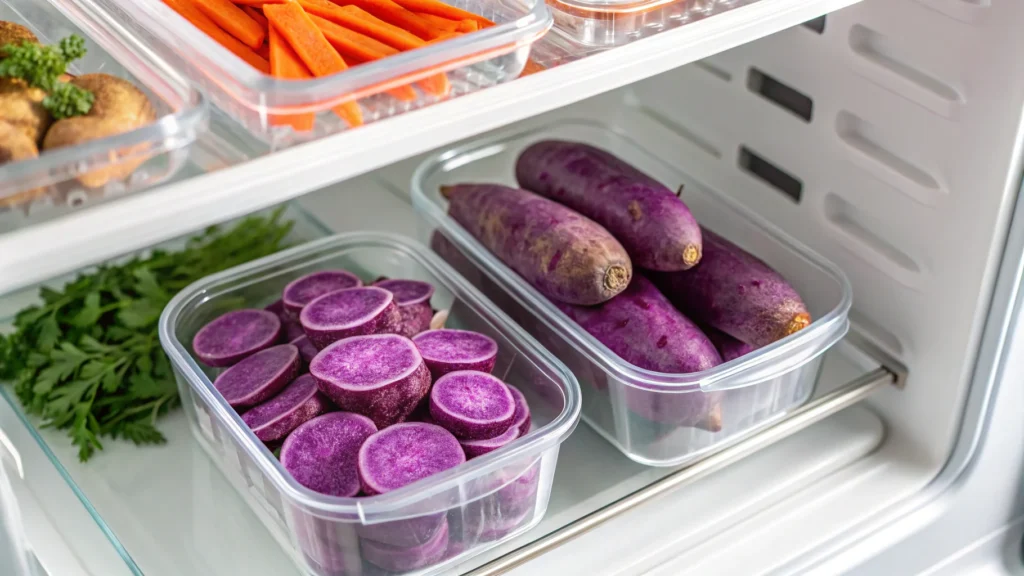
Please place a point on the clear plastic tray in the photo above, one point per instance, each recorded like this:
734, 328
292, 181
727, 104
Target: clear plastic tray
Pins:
607, 23
48, 186
486, 501
490, 56
751, 391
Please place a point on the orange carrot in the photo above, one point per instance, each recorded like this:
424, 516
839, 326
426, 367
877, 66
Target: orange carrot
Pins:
295, 26
437, 85
392, 13
191, 13
360, 21
285, 63
264, 51
234, 21
360, 48
258, 3
531, 68
258, 16
443, 24
438, 8
468, 25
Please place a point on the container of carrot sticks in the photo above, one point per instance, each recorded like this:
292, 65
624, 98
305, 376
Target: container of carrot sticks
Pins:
293, 70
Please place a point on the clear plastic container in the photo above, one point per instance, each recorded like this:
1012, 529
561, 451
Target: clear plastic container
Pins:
61, 179
483, 502
489, 56
607, 23
744, 394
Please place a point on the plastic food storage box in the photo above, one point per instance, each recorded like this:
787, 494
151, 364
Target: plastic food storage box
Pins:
484, 501
745, 394
606, 23
47, 186
489, 56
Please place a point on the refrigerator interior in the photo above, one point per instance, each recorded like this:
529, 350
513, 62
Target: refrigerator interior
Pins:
885, 136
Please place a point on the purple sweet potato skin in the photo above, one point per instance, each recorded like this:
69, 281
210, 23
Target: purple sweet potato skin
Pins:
654, 225
306, 348
729, 347
413, 300
274, 367
733, 291
299, 402
474, 448
321, 318
322, 453
449, 350
472, 405
304, 290
381, 376
403, 559
563, 254
405, 453
522, 419
235, 335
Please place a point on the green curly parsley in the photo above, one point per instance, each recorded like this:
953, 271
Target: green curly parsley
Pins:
42, 66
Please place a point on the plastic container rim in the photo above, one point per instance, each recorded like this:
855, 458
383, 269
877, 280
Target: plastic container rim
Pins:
827, 329
370, 509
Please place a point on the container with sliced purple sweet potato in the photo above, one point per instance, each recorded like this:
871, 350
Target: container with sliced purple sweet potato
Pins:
415, 425
688, 319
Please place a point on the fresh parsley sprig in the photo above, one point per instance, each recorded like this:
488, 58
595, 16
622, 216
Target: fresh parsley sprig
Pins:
88, 358
42, 66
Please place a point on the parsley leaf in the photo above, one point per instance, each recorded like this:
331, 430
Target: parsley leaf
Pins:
42, 66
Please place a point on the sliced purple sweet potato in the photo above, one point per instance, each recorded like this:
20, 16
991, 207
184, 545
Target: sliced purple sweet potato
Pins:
474, 448
521, 421
351, 312
381, 376
733, 291
306, 348
322, 454
289, 324
404, 559
404, 533
299, 402
729, 347
259, 377
448, 350
304, 290
507, 509
404, 453
413, 300
235, 335
472, 405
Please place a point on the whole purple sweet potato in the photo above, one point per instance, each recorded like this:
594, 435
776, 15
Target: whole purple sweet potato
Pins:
563, 254
643, 328
654, 225
733, 291
729, 347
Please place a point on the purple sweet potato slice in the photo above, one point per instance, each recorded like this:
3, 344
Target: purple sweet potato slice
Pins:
474, 448
733, 291
259, 377
404, 453
653, 224
472, 405
381, 376
729, 347
404, 559
306, 348
351, 312
322, 454
644, 329
563, 254
235, 335
450, 350
413, 300
507, 509
299, 402
404, 533
304, 290
521, 421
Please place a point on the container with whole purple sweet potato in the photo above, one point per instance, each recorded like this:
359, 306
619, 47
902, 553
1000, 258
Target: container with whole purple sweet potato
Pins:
688, 319
376, 411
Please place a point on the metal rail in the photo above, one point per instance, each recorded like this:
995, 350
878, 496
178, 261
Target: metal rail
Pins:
889, 374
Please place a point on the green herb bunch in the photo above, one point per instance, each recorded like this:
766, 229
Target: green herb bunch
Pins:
88, 359
42, 66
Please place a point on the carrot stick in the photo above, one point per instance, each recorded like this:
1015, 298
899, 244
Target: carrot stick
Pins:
392, 13
258, 16
468, 25
443, 24
285, 63
438, 8
257, 3
234, 21
189, 11
264, 51
295, 26
360, 48
360, 21
437, 85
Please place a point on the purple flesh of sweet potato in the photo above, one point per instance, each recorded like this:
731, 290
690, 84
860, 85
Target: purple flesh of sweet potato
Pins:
413, 300
322, 454
653, 224
472, 405
729, 347
733, 291
507, 509
306, 348
259, 377
381, 376
563, 254
474, 448
304, 290
351, 312
403, 559
235, 335
448, 350
299, 402
644, 329
404, 453
521, 421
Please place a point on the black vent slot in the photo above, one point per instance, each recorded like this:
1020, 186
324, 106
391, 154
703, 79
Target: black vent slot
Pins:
817, 25
771, 174
782, 95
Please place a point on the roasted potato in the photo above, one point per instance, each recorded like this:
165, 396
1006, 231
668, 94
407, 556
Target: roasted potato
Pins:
11, 33
14, 146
